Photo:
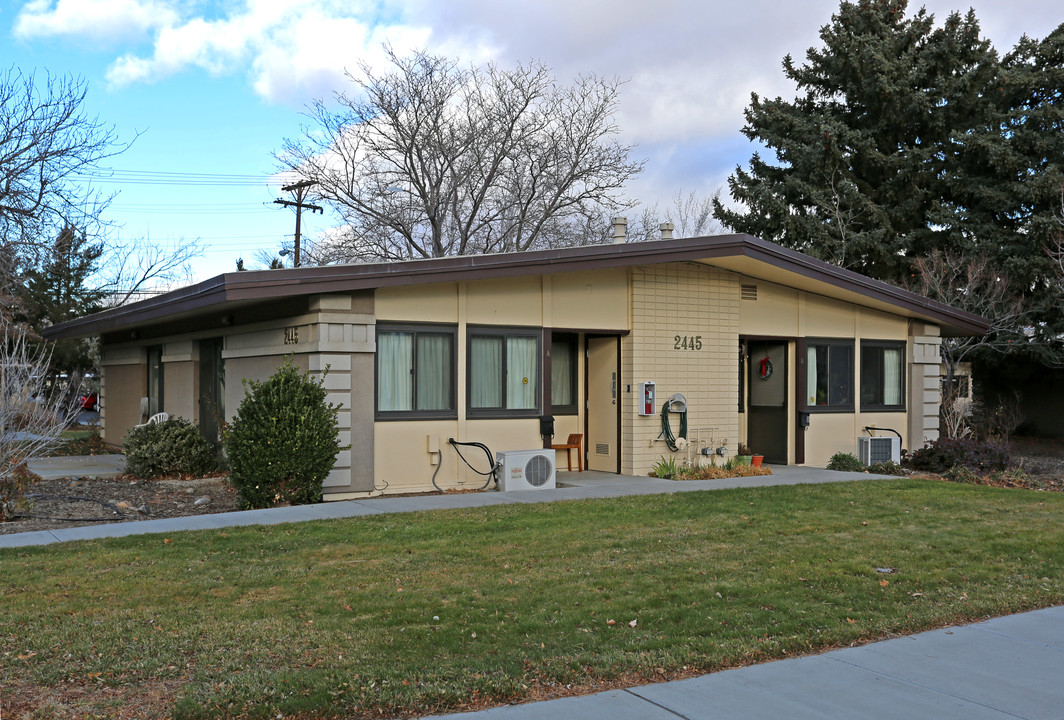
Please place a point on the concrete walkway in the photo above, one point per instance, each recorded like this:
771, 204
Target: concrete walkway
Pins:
572, 486
1002, 669
82, 466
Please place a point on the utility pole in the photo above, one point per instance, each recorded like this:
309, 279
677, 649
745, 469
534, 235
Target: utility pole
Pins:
300, 189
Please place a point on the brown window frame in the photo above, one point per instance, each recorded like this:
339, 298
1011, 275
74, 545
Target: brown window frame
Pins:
415, 329
503, 333
883, 345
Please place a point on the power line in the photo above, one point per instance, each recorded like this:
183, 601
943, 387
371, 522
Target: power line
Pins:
186, 212
161, 177
149, 206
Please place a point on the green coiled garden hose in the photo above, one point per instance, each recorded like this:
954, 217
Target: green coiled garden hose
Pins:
666, 428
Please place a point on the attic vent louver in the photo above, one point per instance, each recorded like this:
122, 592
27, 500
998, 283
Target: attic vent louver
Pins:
748, 292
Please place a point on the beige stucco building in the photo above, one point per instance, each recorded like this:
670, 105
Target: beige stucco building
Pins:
768, 347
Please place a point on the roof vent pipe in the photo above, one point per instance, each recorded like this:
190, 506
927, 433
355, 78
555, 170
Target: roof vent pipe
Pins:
666, 230
620, 229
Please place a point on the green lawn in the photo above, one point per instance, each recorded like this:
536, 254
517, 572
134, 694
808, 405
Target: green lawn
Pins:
427, 612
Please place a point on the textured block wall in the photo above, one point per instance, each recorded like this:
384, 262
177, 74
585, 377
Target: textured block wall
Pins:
673, 304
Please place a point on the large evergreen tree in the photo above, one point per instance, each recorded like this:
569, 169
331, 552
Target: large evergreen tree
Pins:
55, 289
906, 140
1004, 192
865, 148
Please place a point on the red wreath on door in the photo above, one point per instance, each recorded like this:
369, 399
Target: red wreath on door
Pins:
766, 368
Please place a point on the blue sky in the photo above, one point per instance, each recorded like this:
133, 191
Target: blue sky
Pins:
211, 89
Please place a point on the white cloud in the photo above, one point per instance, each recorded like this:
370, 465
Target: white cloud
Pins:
292, 52
308, 58
96, 20
691, 66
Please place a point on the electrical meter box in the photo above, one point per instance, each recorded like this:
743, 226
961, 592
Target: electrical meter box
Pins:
647, 398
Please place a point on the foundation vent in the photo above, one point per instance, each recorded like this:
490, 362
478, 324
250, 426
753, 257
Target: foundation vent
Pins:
602, 448
748, 292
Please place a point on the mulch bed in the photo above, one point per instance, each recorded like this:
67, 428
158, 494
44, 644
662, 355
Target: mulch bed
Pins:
62, 503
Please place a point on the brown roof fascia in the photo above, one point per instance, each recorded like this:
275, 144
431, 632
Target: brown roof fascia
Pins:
810, 267
243, 287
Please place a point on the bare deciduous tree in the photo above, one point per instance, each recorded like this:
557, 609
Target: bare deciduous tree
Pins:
433, 159
975, 285
32, 414
131, 268
46, 141
1057, 252
691, 215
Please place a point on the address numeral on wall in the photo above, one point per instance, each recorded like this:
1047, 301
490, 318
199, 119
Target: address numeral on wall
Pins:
687, 342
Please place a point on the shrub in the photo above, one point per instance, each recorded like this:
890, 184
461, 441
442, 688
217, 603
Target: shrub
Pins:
665, 469
888, 467
172, 447
961, 474
1013, 477
13, 482
283, 442
942, 454
846, 462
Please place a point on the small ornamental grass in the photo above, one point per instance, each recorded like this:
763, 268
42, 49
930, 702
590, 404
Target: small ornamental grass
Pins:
718, 472
171, 447
283, 441
670, 469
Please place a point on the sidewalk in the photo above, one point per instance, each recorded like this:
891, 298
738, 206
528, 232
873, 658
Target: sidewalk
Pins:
1005, 668
571, 486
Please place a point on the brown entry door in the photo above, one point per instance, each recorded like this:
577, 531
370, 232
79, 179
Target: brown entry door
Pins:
766, 418
603, 419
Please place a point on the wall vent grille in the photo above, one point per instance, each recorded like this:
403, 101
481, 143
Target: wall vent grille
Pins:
602, 448
748, 292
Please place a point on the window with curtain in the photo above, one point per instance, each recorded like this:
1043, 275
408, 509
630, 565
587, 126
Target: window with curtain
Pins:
503, 372
563, 371
415, 372
882, 375
829, 370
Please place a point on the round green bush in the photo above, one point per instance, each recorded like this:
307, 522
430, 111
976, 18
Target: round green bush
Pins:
172, 447
846, 462
283, 441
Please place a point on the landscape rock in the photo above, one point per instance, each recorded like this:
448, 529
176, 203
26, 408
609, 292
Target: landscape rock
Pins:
202, 500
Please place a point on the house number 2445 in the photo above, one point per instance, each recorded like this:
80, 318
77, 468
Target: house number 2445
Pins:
687, 342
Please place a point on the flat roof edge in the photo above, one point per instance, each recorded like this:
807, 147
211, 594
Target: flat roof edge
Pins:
274, 284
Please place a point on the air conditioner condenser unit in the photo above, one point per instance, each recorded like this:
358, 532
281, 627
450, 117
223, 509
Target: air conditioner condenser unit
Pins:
525, 470
872, 450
